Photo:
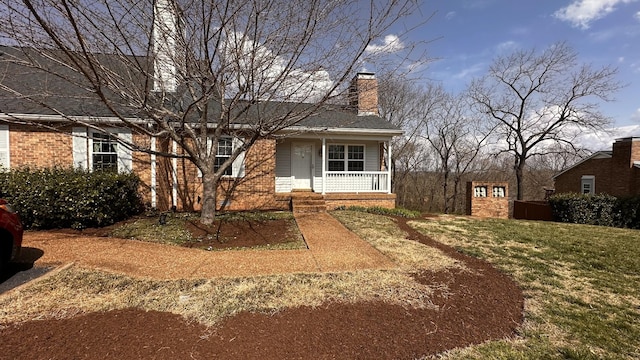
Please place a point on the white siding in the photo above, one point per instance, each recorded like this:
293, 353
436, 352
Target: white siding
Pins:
283, 159
5, 156
125, 157
371, 157
80, 155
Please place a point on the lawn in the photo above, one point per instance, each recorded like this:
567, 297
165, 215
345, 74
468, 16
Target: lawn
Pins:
581, 284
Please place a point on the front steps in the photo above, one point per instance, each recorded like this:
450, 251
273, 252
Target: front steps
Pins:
304, 202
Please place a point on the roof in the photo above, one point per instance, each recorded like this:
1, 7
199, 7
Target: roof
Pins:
76, 99
597, 155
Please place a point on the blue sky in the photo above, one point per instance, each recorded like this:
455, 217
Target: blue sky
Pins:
468, 34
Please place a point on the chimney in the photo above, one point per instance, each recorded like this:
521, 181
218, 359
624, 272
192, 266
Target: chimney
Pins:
626, 151
166, 42
363, 94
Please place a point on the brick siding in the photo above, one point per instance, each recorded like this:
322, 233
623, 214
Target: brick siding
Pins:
614, 176
488, 206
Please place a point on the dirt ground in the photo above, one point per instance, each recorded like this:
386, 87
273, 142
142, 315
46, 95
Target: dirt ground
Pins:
478, 305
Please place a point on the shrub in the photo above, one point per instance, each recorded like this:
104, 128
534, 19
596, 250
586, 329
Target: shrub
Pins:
628, 212
598, 209
62, 198
584, 209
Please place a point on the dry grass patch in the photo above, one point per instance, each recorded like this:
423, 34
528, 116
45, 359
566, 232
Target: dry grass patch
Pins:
383, 234
78, 290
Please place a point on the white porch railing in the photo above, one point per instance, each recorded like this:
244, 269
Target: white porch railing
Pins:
356, 181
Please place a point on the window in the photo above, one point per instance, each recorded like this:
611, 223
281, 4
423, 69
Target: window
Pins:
480, 191
588, 184
353, 160
499, 191
225, 148
96, 150
105, 153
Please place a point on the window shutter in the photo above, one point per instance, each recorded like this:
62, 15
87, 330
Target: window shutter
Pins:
80, 148
125, 158
5, 162
238, 163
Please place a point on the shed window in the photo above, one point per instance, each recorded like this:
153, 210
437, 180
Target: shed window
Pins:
480, 191
499, 191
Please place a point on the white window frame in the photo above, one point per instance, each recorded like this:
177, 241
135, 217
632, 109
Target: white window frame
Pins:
346, 158
499, 191
237, 167
588, 185
103, 139
480, 191
5, 148
83, 148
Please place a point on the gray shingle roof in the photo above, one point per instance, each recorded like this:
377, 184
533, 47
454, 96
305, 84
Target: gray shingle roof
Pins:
77, 99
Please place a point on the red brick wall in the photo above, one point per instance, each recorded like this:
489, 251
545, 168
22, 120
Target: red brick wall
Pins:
35, 147
614, 176
334, 201
489, 206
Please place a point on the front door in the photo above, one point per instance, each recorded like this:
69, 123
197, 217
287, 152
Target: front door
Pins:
302, 165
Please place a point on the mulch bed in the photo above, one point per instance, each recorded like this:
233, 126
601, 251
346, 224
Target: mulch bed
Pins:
479, 305
240, 233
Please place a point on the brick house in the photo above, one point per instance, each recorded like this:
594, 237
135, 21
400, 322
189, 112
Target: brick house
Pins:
340, 153
615, 172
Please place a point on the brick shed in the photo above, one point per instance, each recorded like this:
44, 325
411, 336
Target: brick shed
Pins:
488, 199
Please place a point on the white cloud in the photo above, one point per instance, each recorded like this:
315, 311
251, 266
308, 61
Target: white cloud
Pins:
450, 15
581, 12
506, 46
391, 44
637, 15
603, 140
469, 71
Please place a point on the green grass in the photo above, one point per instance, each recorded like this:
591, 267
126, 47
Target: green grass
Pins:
581, 285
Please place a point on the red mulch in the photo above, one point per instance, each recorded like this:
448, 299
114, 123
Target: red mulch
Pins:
479, 305
222, 234
240, 233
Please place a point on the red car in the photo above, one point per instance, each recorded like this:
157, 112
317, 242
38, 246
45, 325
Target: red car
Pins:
10, 233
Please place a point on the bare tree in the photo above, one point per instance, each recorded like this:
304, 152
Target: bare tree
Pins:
540, 99
197, 71
456, 139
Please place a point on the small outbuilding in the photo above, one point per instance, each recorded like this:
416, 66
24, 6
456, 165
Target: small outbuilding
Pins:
488, 199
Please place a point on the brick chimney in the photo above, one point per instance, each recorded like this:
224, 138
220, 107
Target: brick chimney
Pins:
626, 151
363, 94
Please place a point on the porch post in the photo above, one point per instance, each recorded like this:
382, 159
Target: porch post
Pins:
324, 165
389, 166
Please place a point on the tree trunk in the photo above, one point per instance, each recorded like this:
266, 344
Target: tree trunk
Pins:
445, 191
209, 188
519, 178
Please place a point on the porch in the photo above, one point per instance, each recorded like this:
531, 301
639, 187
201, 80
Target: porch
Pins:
334, 166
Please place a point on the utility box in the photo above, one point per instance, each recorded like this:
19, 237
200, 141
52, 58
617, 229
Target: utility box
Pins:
488, 199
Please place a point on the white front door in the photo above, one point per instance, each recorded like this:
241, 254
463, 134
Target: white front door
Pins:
302, 165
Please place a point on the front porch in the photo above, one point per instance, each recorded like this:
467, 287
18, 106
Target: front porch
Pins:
336, 165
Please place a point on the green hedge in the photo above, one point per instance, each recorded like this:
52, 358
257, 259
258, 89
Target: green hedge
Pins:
601, 209
67, 198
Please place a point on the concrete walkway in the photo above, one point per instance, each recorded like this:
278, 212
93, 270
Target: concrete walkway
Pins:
332, 248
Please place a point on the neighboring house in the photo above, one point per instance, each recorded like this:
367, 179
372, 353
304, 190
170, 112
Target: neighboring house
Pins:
340, 152
614, 172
